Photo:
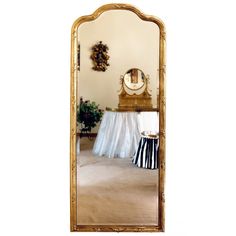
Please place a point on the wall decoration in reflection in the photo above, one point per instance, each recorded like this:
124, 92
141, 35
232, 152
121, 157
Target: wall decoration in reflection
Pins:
100, 56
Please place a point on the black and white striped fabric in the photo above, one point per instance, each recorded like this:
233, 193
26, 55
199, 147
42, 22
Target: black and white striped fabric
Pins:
147, 154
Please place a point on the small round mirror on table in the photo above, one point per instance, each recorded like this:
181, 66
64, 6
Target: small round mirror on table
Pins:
134, 79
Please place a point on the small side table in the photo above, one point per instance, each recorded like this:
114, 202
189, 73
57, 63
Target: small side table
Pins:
146, 155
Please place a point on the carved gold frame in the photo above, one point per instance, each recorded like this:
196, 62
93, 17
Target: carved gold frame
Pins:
73, 105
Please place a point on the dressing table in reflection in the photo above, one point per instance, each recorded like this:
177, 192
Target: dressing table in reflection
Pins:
120, 130
134, 92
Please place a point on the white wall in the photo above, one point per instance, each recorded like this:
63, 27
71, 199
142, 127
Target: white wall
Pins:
132, 42
34, 127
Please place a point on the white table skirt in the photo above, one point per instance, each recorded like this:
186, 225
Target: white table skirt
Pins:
120, 132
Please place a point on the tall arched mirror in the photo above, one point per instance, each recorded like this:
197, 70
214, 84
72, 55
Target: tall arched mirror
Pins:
117, 138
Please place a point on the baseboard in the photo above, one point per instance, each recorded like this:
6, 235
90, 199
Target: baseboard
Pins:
92, 135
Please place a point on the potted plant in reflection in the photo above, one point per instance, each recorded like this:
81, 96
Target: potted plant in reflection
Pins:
88, 116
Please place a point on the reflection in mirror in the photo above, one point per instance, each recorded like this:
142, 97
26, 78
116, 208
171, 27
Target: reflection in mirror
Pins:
134, 79
117, 160
118, 123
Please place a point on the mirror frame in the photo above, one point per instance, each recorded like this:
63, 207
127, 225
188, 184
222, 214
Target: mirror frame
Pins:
162, 117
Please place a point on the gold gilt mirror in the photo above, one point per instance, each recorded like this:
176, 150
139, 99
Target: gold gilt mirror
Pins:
117, 140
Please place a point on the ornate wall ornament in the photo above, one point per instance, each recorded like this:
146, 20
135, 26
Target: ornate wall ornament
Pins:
100, 56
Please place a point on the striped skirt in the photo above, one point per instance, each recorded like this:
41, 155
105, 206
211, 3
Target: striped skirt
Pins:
147, 154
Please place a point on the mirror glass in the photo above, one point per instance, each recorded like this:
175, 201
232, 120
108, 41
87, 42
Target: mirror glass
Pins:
134, 79
118, 120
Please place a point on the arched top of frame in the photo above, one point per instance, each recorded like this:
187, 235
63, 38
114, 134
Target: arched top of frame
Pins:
118, 6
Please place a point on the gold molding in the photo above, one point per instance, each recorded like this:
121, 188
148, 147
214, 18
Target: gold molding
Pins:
116, 228
73, 104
